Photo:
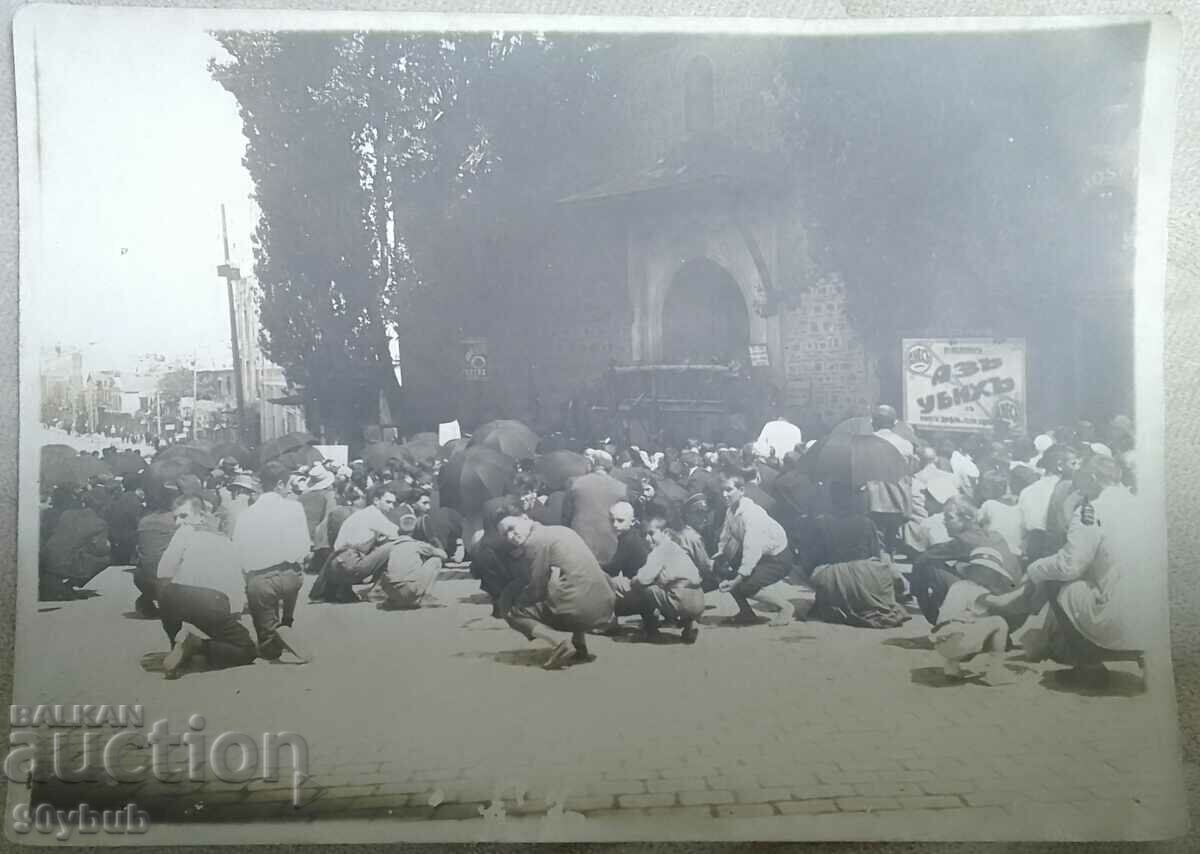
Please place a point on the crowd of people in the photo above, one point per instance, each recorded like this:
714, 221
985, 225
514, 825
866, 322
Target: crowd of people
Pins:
975, 533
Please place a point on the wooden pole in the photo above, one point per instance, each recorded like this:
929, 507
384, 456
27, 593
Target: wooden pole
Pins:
231, 273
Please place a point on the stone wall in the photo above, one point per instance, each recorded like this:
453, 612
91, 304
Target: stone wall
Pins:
829, 375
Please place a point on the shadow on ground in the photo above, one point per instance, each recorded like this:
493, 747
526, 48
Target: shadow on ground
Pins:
919, 642
1107, 683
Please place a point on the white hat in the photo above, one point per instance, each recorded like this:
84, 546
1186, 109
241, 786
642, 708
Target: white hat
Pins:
597, 456
1101, 449
1042, 443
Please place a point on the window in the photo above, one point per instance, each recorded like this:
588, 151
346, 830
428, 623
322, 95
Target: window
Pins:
698, 95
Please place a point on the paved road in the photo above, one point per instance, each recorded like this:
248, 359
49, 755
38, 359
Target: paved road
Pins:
812, 731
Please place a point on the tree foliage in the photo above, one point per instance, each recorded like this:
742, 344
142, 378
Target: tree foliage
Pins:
382, 164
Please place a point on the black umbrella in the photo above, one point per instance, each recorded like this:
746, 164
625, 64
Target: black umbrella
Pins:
302, 456
421, 448
377, 454
236, 450
856, 459
453, 448
471, 478
862, 425
509, 437
126, 464
49, 451
558, 467
192, 451
75, 470
289, 442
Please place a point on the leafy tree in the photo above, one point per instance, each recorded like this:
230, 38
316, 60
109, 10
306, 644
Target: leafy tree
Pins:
381, 162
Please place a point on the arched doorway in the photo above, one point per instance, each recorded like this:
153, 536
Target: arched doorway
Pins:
704, 318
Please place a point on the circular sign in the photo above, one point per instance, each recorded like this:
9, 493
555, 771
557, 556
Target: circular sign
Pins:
919, 359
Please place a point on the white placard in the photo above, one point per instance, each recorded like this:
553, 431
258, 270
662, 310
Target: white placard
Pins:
964, 383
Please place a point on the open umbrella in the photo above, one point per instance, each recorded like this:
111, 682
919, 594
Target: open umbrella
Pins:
288, 442
164, 471
421, 448
453, 448
49, 451
508, 437
126, 464
302, 456
671, 490
198, 454
862, 426
558, 467
471, 478
57, 469
236, 450
377, 454
856, 459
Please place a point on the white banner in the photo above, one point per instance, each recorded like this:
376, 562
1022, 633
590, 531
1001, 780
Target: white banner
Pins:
448, 432
964, 383
338, 453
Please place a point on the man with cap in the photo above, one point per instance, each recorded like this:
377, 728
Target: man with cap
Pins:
1058, 462
241, 491
318, 499
587, 503
1096, 583
968, 622
695, 519
412, 568
271, 539
937, 568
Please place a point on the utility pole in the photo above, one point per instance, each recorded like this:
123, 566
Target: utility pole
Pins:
231, 273
195, 392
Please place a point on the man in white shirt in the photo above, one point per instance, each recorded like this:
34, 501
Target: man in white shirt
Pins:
200, 583
361, 550
1034, 502
758, 546
777, 438
883, 421
271, 539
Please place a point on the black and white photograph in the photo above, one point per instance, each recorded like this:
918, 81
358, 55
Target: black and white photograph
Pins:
503, 428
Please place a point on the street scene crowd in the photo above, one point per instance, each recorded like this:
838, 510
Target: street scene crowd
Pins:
977, 534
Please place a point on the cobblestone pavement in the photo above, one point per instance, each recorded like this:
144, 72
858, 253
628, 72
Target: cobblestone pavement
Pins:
444, 715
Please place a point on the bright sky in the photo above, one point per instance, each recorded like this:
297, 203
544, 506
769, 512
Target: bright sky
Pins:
140, 149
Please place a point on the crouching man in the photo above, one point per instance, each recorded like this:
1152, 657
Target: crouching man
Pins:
412, 567
567, 591
670, 580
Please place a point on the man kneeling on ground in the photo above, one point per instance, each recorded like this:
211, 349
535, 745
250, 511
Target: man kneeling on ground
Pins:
200, 583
